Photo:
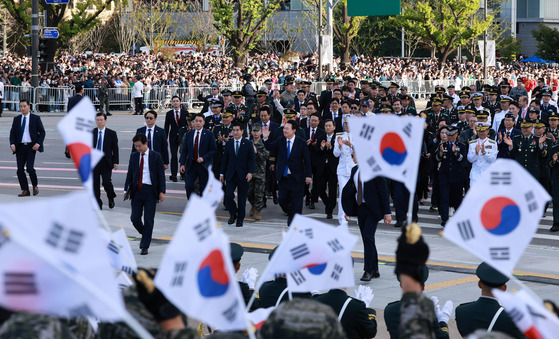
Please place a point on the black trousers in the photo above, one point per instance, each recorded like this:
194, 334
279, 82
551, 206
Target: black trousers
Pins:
144, 202
139, 105
196, 171
328, 179
104, 171
290, 196
368, 227
238, 209
174, 158
25, 158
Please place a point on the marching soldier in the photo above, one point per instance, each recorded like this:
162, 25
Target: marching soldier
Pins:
482, 152
527, 149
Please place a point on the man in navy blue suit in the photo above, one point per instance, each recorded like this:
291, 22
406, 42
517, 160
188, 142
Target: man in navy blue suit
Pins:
105, 140
509, 131
26, 138
145, 181
369, 202
292, 165
237, 168
197, 154
175, 119
156, 137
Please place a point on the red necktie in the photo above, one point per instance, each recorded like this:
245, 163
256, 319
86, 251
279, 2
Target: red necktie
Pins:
195, 157
312, 135
141, 176
177, 117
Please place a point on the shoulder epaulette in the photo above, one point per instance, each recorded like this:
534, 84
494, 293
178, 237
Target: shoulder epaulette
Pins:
472, 141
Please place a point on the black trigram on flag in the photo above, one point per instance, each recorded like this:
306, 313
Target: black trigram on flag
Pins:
180, 268
466, 231
113, 247
19, 283
55, 234
336, 271
373, 164
407, 129
127, 269
299, 251
515, 315
531, 201
298, 277
308, 232
231, 312
501, 178
335, 245
73, 240
367, 132
535, 313
499, 253
203, 230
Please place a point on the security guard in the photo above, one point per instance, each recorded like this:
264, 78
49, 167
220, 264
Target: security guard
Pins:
451, 156
527, 149
222, 134
486, 313
237, 252
482, 152
392, 314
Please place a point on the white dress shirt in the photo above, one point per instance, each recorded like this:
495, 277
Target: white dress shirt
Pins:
26, 136
146, 178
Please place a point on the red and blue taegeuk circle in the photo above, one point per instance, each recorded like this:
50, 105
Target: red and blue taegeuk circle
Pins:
500, 215
316, 269
393, 149
213, 280
81, 154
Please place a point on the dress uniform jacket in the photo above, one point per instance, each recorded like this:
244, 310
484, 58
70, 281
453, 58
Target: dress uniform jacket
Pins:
272, 293
345, 163
480, 162
479, 314
392, 320
527, 152
357, 320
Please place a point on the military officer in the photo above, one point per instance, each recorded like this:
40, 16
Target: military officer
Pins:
498, 117
257, 186
482, 152
215, 115
222, 134
462, 123
254, 109
237, 252
552, 130
486, 313
342, 150
240, 111
493, 104
451, 156
527, 149
449, 109
407, 107
434, 117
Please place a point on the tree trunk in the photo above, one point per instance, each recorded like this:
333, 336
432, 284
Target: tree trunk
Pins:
240, 56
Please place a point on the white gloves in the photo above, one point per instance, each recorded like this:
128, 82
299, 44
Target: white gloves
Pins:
444, 314
249, 277
365, 294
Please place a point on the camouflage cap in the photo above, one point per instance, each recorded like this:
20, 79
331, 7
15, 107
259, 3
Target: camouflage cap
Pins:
302, 318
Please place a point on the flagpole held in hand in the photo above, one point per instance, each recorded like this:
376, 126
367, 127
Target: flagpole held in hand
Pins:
410, 207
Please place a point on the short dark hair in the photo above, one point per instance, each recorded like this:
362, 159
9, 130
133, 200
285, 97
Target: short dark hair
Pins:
176, 96
101, 115
346, 102
199, 115
264, 108
141, 137
316, 115
26, 101
293, 124
78, 88
311, 103
335, 100
239, 124
151, 112
301, 91
330, 120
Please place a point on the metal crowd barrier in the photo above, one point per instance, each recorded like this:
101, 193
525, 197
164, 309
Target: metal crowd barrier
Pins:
51, 99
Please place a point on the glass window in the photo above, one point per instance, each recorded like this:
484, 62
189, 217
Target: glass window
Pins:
521, 8
534, 9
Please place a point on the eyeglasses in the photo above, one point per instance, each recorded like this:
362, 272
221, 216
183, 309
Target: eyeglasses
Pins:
150, 118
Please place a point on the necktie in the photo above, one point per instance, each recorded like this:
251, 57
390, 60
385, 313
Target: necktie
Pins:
100, 141
23, 123
141, 174
359, 190
312, 135
195, 153
149, 138
237, 147
288, 153
508, 134
177, 117
265, 125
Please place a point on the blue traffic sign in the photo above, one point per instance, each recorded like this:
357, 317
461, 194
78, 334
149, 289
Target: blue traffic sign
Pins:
57, 2
50, 33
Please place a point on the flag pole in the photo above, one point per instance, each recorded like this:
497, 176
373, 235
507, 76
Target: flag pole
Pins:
251, 301
250, 329
410, 207
526, 288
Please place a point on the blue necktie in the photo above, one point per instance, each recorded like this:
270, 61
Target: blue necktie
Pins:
236, 147
288, 153
100, 141
23, 123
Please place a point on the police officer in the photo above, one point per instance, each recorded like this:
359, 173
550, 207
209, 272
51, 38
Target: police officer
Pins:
451, 155
482, 152
527, 149
486, 313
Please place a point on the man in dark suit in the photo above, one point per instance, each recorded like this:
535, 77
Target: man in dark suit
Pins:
292, 165
329, 164
174, 121
212, 97
326, 96
156, 137
486, 310
237, 168
509, 131
369, 202
26, 138
105, 140
315, 136
197, 154
146, 182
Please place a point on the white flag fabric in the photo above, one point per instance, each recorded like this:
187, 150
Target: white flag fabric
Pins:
199, 278
531, 317
335, 273
128, 261
499, 216
388, 146
76, 130
259, 316
307, 242
54, 260
213, 193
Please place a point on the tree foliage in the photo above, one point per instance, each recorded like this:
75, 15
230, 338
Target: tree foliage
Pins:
443, 24
345, 29
547, 39
242, 23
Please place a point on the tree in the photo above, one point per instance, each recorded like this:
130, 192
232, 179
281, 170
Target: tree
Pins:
443, 24
71, 19
242, 22
509, 48
547, 39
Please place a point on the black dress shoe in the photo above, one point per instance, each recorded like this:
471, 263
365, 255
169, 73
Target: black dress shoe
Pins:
239, 223
328, 215
231, 220
24, 193
554, 228
35, 190
183, 177
376, 275
111, 203
311, 205
399, 224
108, 114
144, 251
173, 178
367, 276
443, 223
275, 198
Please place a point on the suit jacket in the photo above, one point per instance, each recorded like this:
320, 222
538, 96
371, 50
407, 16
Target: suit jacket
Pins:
159, 142
156, 173
206, 148
270, 292
110, 146
238, 164
478, 315
73, 101
504, 148
328, 154
375, 193
171, 127
299, 161
316, 155
36, 131
272, 126
324, 100
392, 321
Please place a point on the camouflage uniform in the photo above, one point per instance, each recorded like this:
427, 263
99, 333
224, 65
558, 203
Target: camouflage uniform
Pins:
257, 186
26, 325
417, 317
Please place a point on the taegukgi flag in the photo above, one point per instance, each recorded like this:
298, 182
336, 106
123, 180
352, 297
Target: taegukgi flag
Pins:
388, 146
213, 193
196, 273
335, 273
498, 217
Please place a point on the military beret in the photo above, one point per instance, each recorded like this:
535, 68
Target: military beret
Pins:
236, 251
451, 130
490, 276
482, 126
237, 94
